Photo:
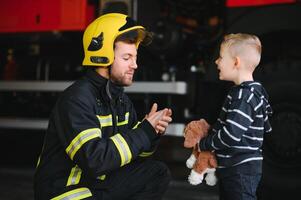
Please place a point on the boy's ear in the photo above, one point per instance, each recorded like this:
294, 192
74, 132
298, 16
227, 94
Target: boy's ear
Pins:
237, 62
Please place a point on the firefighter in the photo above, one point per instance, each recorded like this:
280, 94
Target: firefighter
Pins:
95, 147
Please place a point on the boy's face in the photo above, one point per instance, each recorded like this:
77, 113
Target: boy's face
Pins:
124, 65
225, 64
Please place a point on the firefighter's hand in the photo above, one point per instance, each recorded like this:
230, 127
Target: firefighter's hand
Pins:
159, 119
164, 121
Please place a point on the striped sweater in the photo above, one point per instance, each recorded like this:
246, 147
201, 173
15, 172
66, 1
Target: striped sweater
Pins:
237, 135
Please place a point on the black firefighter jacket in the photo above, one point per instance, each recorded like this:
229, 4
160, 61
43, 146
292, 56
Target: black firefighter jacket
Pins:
93, 129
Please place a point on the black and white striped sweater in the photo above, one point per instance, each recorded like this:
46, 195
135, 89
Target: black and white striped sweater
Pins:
237, 135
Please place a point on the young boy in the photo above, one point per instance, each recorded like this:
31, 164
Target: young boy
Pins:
237, 136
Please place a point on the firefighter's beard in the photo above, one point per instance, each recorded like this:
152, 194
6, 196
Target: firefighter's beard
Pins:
125, 79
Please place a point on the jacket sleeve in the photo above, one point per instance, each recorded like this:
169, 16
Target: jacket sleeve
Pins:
79, 131
228, 133
155, 141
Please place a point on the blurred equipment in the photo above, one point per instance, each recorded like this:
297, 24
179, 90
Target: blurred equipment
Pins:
10, 68
117, 6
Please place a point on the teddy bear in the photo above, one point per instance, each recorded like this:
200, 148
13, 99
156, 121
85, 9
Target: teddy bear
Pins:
201, 162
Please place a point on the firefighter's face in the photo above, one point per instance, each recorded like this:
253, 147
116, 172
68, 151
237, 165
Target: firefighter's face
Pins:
225, 64
124, 65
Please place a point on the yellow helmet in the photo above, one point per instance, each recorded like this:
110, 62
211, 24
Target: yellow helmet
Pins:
99, 37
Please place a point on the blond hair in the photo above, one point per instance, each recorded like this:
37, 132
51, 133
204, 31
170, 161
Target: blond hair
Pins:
245, 46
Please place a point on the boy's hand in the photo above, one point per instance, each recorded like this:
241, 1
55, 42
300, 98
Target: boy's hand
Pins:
198, 127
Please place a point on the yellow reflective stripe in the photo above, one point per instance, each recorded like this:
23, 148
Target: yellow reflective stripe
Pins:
81, 139
145, 154
74, 176
77, 194
105, 120
102, 177
126, 119
137, 125
123, 149
39, 159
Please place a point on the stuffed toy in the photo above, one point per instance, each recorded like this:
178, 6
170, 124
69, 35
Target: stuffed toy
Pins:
201, 162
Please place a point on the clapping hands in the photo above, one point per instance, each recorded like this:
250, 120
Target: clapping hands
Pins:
159, 119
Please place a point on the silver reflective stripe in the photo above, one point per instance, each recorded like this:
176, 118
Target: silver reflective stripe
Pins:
74, 176
105, 120
123, 148
81, 139
126, 120
77, 194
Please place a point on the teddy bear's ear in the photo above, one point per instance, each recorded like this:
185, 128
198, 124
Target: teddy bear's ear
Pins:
205, 124
189, 140
187, 134
185, 131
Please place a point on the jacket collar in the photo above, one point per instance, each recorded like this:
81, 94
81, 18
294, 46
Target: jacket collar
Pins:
108, 89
